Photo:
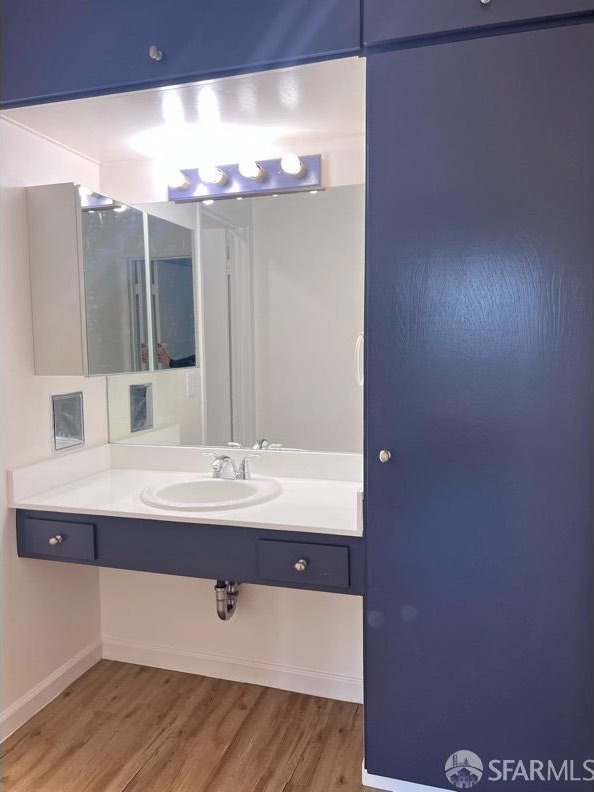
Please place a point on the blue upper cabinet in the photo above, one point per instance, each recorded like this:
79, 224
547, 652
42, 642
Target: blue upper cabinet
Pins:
391, 20
59, 49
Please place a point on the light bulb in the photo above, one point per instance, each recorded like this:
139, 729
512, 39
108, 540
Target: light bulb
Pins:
212, 175
292, 165
177, 180
251, 170
208, 202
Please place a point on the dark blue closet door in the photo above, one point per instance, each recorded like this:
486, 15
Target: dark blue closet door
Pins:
480, 587
56, 49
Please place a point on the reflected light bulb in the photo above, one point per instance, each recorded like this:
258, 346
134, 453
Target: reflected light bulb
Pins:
292, 165
208, 202
177, 180
212, 175
251, 170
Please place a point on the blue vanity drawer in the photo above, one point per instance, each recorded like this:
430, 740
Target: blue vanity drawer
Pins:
391, 20
60, 539
299, 562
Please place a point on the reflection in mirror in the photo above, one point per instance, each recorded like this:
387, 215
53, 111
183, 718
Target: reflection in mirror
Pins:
172, 293
281, 310
115, 285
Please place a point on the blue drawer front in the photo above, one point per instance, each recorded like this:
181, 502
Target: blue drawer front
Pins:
54, 49
75, 541
325, 565
390, 20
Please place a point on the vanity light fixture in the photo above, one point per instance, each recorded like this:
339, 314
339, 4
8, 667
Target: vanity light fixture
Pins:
248, 178
292, 165
250, 169
212, 175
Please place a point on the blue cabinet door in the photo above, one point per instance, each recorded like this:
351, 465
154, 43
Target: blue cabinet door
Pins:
479, 534
388, 20
55, 49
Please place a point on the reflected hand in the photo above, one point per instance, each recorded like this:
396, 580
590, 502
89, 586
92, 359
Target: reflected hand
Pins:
163, 355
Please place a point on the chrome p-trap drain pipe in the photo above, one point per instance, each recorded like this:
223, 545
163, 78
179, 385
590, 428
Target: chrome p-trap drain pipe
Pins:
226, 593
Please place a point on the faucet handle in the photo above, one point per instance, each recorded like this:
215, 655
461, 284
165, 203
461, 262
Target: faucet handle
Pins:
243, 467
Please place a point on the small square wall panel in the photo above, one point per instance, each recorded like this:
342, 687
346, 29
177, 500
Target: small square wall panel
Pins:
68, 421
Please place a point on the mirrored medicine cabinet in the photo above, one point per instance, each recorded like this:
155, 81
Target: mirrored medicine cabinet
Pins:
108, 281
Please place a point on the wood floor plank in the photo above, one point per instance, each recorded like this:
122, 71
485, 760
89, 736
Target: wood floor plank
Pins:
127, 728
198, 739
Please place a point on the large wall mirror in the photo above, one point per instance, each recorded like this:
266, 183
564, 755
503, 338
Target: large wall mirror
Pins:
235, 321
278, 326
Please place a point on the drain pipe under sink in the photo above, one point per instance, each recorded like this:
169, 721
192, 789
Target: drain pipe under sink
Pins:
226, 593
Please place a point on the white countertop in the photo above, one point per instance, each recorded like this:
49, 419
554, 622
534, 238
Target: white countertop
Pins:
305, 504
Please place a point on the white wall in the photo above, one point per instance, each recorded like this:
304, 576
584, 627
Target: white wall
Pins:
308, 253
298, 640
51, 611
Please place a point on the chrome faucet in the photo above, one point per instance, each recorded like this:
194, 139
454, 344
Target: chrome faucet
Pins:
221, 464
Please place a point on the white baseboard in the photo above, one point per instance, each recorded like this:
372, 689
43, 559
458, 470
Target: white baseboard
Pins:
237, 669
17, 714
393, 785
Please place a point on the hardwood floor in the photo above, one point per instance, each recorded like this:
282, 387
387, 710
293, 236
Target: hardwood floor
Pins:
126, 727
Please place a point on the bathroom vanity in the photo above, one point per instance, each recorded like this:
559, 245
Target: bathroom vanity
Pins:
306, 534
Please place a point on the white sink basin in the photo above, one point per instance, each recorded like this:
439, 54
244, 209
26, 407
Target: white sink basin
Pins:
209, 494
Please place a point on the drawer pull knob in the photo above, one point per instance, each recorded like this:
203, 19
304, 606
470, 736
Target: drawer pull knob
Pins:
384, 456
301, 565
56, 540
155, 53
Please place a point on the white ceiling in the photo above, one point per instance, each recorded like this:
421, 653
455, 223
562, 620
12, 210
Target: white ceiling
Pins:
256, 115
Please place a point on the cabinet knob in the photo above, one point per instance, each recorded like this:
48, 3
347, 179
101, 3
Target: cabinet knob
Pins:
384, 456
301, 565
56, 540
155, 53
